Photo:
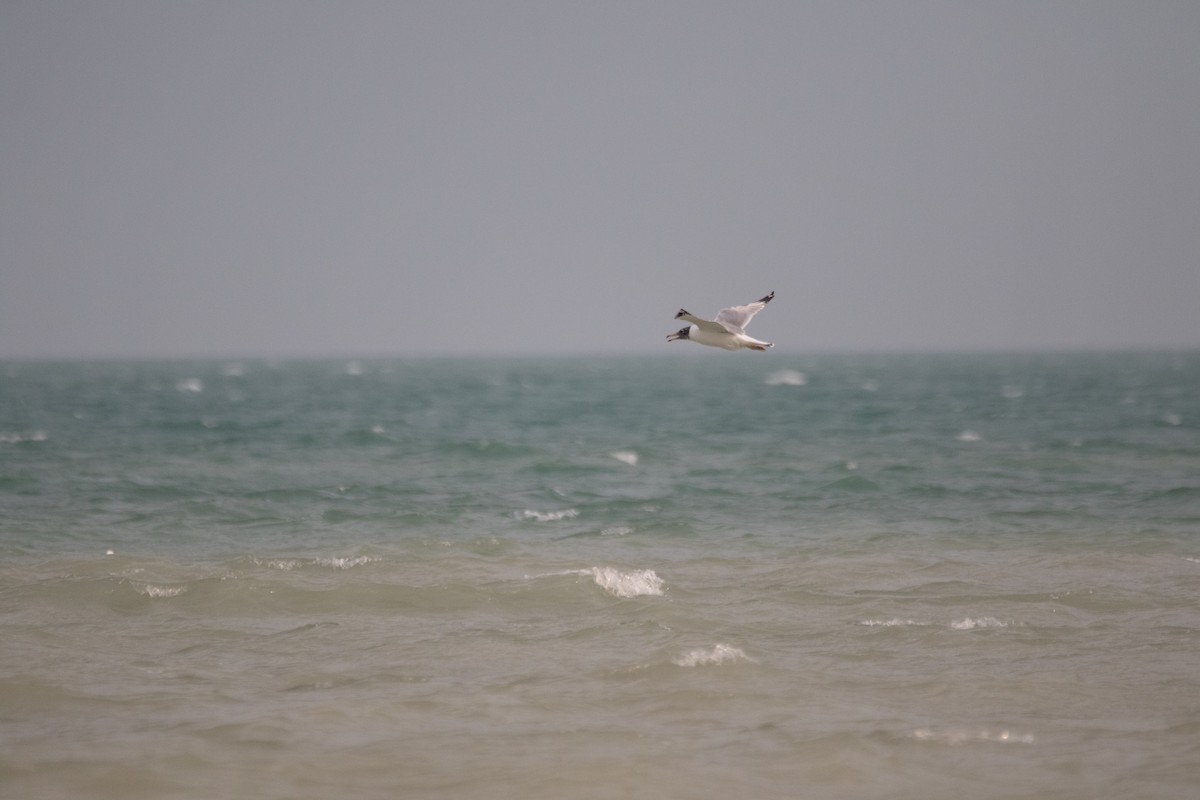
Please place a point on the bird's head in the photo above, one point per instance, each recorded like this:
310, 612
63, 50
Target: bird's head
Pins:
683, 334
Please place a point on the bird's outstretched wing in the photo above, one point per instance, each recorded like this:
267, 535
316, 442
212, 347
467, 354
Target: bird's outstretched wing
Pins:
735, 318
702, 324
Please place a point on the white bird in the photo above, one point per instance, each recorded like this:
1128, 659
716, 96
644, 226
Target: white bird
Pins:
728, 330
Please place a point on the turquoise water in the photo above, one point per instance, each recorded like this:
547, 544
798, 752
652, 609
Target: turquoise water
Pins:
769, 575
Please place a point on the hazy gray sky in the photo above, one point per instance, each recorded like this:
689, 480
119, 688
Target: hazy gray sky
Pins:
377, 178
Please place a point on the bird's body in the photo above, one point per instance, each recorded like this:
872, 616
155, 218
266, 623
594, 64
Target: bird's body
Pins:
727, 331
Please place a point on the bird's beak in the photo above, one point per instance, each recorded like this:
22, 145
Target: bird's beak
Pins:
672, 336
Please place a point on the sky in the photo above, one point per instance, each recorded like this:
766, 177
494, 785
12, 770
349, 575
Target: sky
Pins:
293, 178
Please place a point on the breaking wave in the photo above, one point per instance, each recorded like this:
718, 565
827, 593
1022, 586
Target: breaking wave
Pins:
895, 622
150, 590
547, 516
627, 584
786, 377
970, 624
635, 583
331, 562
965, 736
717, 654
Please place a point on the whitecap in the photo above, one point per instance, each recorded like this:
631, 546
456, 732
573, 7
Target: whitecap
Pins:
626, 457
346, 563
190, 385
332, 562
547, 516
968, 436
894, 622
1172, 419
285, 564
1013, 392
717, 654
970, 624
619, 530
354, 368
150, 590
956, 736
786, 377
627, 584
17, 438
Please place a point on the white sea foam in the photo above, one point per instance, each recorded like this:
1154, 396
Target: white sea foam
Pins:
970, 624
190, 385
346, 563
1013, 392
957, 736
333, 562
786, 377
968, 436
627, 584
547, 516
894, 622
16, 438
285, 564
636, 583
717, 654
626, 457
150, 590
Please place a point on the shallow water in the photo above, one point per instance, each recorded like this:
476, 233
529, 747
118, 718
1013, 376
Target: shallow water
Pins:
828, 576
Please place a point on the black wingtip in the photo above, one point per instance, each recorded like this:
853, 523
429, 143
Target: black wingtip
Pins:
768, 298
682, 312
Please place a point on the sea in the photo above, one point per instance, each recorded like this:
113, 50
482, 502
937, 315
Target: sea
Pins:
702, 575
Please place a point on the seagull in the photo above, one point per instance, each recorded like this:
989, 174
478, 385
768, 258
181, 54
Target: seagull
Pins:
728, 330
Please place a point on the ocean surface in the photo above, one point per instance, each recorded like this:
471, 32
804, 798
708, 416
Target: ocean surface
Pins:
703, 575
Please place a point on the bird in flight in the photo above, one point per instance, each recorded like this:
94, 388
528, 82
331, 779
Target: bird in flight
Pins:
728, 330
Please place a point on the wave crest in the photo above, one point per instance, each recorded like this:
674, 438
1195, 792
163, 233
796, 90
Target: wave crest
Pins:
970, 624
627, 584
717, 654
17, 438
153, 591
331, 562
965, 736
547, 516
786, 377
